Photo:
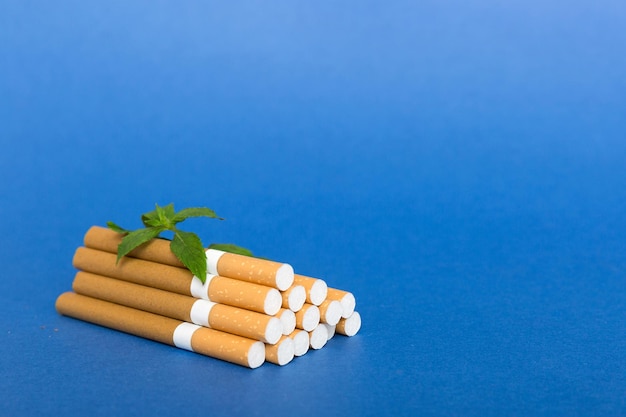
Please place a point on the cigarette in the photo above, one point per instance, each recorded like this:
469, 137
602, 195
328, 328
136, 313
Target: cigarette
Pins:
294, 297
155, 250
301, 341
346, 299
350, 326
181, 307
259, 271
287, 319
331, 330
316, 289
246, 268
282, 352
209, 342
221, 290
330, 312
318, 337
308, 317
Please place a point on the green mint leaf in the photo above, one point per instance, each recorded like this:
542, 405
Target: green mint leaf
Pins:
148, 222
229, 247
189, 250
160, 217
166, 215
151, 219
194, 212
117, 228
168, 211
135, 239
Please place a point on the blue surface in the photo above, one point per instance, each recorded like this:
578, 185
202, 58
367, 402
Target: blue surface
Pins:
459, 166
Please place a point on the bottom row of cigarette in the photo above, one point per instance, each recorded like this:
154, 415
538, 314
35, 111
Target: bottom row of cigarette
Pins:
200, 339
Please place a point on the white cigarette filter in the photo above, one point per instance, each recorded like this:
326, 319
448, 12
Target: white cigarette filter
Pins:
330, 312
280, 353
272, 274
222, 317
246, 268
350, 326
316, 289
318, 337
301, 341
184, 335
287, 319
237, 293
308, 317
347, 300
294, 297
331, 330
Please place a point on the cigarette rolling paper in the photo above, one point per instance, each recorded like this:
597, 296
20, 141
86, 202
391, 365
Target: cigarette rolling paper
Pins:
206, 313
218, 289
209, 342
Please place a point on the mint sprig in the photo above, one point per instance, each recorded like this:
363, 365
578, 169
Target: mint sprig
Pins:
186, 246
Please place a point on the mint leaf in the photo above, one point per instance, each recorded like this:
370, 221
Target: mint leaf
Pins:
117, 228
150, 218
194, 212
135, 239
229, 247
166, 215
186, 246
189, 250
168, 211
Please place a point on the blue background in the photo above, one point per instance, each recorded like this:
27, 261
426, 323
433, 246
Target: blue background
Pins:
459, 166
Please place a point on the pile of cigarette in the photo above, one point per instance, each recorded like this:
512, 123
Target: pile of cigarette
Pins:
248, 310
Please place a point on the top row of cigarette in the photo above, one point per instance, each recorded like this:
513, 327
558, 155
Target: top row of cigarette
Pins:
259, 271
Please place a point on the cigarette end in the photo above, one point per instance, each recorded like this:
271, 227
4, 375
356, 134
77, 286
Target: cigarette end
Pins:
301, 341
273, 302
318, 292
288, 320
296, 296
350, 326
282, 352
319, 337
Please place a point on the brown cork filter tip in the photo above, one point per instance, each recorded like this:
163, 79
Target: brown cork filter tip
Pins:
107, 240
308, 318
330, 312
221, 290
246, 268
319, 336
316, 289
300, 341
331, 330
181, 307
282, 352
349, 326
347, 300
259, 271
294, 297
287, 319
209, 342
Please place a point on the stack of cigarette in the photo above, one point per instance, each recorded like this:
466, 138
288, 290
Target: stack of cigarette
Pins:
248, 310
